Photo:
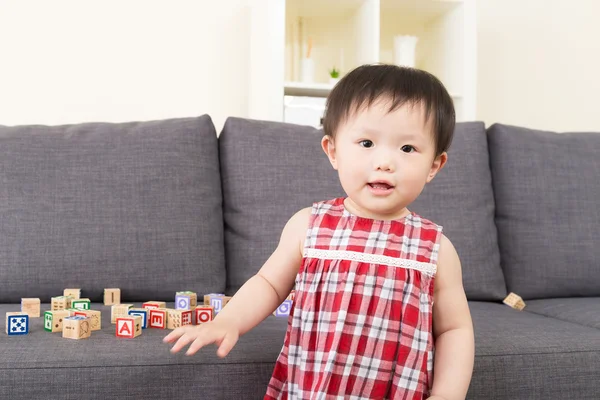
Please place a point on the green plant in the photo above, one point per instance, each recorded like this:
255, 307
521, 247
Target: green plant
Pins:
334, 73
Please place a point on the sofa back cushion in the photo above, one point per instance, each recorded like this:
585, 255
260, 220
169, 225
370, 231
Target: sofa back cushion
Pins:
136, 206
271, 170
547, 188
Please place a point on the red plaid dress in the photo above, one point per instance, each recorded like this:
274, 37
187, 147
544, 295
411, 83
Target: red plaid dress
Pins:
361, 323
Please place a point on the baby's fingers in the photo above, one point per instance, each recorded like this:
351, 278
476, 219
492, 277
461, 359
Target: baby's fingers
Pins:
227, 344
176, 334
200, 342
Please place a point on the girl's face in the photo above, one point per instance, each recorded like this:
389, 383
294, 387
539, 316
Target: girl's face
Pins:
384, 159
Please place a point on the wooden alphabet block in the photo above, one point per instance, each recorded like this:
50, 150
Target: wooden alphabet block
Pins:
515, 301
112, 296
144, 313
204, 314
60, 303
31, 307
292, 295
81, 304
17, 323
53, 320
119, 310
129, 326
76, 327
217, 301
178, 318
154, 304
158, 318
73, 293
284, 309
95, 317
185, 300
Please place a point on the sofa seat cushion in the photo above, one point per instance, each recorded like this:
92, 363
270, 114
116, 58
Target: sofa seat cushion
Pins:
133, 205
271, 170
45, 365
578, 310
521, 355
547, 187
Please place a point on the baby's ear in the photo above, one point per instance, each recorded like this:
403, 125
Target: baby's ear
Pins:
329, 148
437, 165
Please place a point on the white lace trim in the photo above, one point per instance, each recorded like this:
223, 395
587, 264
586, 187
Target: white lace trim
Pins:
426, 268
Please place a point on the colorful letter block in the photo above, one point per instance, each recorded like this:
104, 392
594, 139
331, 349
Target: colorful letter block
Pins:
177, 318
129, 327
158, 318
73, 293
60, 303
17, 323
95, 317
112, 296
185, 300
144, 313
204, 314
154, 304
119, 310
217, 301
53, 320
31, 307
81, 304
284, 309
76, 327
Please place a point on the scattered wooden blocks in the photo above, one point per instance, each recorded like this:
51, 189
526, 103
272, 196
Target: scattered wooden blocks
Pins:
204, 314
119, 310
129, 326
60, 303
515, 301
76, 327
53, 320
178, 318
95, 317
217, 300
158, 318
112, 296
185, 300
144, 313
73, 293
31, 307
284, 309
17, 323
154, 304
81, 304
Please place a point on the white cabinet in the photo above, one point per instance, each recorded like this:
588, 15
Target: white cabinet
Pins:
347, 33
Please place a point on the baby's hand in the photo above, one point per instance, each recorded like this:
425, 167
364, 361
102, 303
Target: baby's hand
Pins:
224, 336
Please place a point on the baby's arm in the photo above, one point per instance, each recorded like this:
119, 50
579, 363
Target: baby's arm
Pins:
452, 329
256, 299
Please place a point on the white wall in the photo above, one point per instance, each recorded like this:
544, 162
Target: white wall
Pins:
539, 63
68, 61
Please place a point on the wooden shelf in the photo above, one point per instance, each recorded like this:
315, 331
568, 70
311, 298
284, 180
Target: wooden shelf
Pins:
307, 89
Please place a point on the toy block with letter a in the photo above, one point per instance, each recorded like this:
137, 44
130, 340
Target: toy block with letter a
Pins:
185, 300
60, 303
129, 327
81, 304
119, 310
53, 320
94, 316
76, 327
178, 318
154, 305
31, 307
73, 293
284, 309
158, 318
112, 296
17, 323
204, 314
142, 312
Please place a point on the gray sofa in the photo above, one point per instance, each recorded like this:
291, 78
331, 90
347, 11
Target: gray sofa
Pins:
162, 206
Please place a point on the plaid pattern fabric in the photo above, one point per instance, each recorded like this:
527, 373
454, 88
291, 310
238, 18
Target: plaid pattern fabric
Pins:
361, 324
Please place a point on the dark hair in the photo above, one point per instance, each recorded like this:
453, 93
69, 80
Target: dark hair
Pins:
366, 84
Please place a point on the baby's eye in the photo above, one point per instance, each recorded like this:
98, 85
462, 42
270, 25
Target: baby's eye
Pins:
407, 148
366, 143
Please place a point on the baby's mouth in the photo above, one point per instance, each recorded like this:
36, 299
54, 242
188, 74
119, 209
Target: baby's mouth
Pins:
380, 185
